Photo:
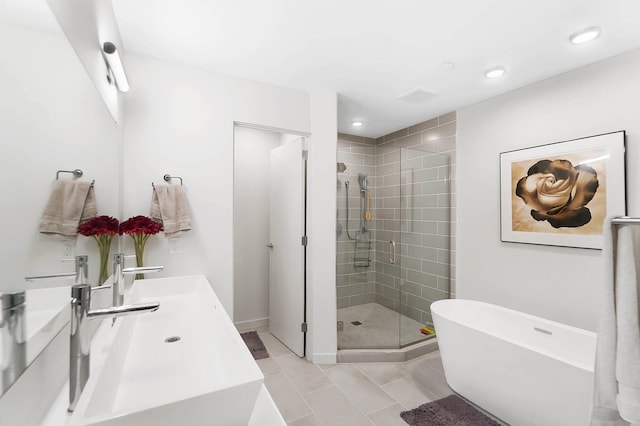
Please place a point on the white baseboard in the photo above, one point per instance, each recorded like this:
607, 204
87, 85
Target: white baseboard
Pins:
252, 325
326, 358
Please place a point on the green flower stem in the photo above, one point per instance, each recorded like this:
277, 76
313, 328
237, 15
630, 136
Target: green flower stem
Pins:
104, 247
139, 241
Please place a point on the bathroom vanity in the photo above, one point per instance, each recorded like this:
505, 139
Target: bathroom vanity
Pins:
183, 364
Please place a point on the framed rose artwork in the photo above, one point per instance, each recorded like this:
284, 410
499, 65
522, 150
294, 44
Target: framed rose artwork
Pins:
560, 194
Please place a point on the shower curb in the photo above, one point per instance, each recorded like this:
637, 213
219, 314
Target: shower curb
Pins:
387, 355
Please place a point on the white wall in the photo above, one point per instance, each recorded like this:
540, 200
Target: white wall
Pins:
180, 120
552, 282
251, 215
321, 229
51, 118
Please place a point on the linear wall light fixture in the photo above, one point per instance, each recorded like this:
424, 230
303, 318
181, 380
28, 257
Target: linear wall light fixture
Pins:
111, 56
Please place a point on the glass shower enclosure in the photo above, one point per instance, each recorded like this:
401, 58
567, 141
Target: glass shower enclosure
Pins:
393, 243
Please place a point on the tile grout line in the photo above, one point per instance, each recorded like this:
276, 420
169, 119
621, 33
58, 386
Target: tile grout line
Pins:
346, 396
430, 394
375, 384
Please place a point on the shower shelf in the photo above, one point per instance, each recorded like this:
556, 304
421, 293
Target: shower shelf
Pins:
361, 255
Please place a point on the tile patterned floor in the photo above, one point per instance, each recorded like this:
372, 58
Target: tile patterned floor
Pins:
379, 327
349, 394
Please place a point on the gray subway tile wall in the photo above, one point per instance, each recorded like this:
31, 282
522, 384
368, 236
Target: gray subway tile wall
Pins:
356, 285
412, 204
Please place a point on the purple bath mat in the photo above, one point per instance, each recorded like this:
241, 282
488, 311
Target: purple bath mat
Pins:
255, 345
448, 411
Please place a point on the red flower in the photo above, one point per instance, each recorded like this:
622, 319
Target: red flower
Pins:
99, 225
140, 228
140, 225
102, 229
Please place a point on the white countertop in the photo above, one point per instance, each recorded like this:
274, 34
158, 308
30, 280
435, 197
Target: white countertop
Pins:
264, 413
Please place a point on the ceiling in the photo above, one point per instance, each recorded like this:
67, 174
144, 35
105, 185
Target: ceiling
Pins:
372, 51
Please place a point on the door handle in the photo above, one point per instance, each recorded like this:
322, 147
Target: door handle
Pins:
392, 252
270, 245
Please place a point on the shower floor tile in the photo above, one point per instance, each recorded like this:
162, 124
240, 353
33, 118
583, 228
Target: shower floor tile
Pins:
379, 327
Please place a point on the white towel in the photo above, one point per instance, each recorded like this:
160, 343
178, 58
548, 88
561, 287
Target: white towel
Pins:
617, 370
628, 326
71, 203
169, 206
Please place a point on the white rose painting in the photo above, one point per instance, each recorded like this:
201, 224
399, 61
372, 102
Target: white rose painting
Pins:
561, 194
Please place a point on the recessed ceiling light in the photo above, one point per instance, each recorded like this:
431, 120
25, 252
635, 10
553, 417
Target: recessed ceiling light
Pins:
585, 35
495, 72
357, 123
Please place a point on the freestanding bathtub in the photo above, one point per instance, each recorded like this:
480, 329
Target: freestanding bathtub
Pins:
523, 369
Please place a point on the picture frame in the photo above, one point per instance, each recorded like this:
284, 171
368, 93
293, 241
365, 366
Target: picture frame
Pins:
560, 194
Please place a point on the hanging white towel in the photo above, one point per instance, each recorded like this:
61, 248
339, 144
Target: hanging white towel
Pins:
169, 206
617, 370
71, 203
628, 326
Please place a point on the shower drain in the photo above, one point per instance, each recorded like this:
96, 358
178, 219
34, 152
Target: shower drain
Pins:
172, 339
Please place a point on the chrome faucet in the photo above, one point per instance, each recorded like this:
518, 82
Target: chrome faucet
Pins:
119, 271
80, 339
81, 274
118, 279
13, 352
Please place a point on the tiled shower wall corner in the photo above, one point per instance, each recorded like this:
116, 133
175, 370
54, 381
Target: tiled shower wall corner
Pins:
426, 230
355, 285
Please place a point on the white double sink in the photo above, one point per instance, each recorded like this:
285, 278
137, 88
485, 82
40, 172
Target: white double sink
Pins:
183, 364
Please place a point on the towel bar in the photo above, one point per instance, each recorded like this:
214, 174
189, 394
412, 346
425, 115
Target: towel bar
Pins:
76, 173
625, 220
168, 177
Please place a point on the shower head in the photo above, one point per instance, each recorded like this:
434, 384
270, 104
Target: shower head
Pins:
362, 180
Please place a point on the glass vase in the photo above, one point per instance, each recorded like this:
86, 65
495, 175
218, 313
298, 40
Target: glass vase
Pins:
139, 241
104, 247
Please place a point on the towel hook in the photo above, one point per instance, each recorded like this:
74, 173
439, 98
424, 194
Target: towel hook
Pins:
76, 173
168, 177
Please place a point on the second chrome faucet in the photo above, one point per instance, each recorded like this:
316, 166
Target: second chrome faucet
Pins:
119, 272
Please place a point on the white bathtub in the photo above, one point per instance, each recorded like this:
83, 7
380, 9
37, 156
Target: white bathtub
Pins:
523, 369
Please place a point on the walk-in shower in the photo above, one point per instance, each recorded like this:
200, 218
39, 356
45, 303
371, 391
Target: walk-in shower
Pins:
393, 257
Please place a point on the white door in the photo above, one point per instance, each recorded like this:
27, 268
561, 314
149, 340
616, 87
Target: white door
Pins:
287, 227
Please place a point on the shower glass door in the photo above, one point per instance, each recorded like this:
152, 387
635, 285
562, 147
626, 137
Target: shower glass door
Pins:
425, 233
393, 237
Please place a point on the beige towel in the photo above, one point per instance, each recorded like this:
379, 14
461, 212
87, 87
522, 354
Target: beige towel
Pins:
617, 369
71, 203
169, 206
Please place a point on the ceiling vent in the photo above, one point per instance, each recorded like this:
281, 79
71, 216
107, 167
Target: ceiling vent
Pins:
416, 96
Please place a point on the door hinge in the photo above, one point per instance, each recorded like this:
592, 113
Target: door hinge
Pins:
303, 327
305, 240
305, 154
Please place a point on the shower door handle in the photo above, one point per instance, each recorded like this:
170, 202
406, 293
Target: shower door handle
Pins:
392, 252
